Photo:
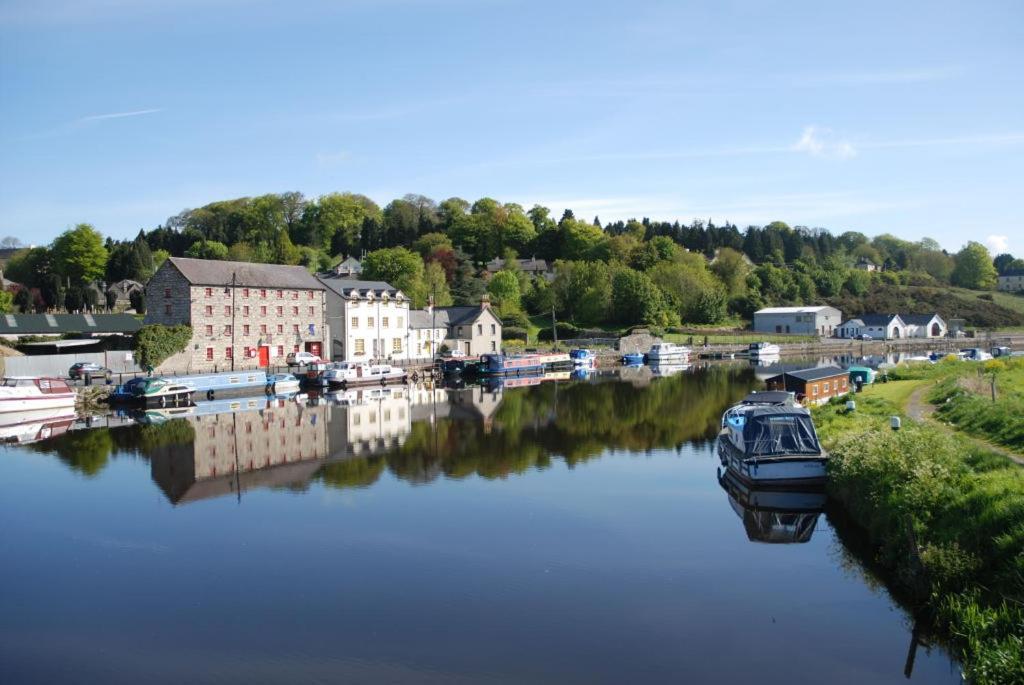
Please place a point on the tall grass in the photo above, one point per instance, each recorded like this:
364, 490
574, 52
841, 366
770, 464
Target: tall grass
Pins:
947, 521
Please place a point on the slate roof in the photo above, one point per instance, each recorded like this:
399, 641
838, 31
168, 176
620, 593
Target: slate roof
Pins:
216, 272
816, 373
1012, 272
343, 286
41, 324
793, 310
919, 319
878, 319
421, 319
460, 315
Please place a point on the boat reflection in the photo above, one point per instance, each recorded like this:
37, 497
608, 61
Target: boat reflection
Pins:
25, 427
775, 516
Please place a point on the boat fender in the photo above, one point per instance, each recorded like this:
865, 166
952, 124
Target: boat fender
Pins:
209, 394
415, 376
269, 390
163, 401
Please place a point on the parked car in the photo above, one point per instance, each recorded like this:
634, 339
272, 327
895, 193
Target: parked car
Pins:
864, 336
303, 359
83, 369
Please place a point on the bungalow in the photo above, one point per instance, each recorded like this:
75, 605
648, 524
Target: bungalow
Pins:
878, 326
925, 326
813, 386
471, 330
865, 264
350, 267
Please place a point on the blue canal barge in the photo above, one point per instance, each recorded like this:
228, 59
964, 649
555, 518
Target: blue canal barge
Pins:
520, 365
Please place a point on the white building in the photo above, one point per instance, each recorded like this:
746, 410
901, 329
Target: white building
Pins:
925, 326
822, 320
367, 320
878, 326
427, 332
1012, 281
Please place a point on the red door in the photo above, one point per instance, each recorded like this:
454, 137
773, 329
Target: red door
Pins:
264, 356
314, 348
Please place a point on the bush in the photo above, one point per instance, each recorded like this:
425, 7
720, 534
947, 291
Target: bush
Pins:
155, 343
514, 333
138, 301
515, 319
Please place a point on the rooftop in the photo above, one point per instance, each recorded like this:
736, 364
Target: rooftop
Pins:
816, 373
220, 273
350, 288
42, 324
793, 310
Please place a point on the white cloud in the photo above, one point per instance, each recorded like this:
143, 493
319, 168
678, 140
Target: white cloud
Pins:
119, 115
820, 142
998, 243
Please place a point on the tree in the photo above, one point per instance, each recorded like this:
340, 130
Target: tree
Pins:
467, 288
732, 268
581, 240
111, 299
137, 298
79, 255
399, 267
23, 300
335, 222
429, 242
973, 268
435, 284
636, 299
159, 257
30, 267
6, 302
504, 288
241, 252
207, 249
52, 291
10, 242
1005, 262
582, 291
74, 299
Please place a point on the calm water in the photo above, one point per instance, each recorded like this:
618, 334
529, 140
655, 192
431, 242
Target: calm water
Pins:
562, 532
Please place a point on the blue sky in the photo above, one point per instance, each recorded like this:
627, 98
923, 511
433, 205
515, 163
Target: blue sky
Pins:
900, 117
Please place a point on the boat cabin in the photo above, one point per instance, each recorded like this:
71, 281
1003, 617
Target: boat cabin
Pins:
779, 431
813, 386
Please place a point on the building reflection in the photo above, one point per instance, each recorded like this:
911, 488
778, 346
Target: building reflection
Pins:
774, 516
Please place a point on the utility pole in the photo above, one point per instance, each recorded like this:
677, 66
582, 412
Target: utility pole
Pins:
554, 327
433, 323
233, 350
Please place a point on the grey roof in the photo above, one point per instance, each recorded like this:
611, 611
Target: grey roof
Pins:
39, 324
768, 397
216, 272
343, 286
1012, 272
877, 319
460, 315
919, 319
124, 287
421, 319
816, 373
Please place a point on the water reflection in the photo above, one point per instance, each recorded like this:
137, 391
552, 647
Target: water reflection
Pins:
774, 515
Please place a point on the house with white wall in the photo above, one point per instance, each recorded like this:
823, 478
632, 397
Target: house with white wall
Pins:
368, 320
925, 325
878, 326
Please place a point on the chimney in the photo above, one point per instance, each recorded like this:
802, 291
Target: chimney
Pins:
485, 301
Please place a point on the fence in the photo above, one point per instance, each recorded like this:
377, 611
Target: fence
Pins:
58, 364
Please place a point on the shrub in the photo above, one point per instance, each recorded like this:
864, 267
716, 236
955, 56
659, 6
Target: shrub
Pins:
155, 343
138, 301
514, 333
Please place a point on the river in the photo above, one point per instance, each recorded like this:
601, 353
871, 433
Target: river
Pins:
571, 531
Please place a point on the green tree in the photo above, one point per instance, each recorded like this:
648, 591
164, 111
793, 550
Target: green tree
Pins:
159, 257
7, 301
207, 249
23, 300
30, 267
138, 301
79, 255
335, 222
504, 289
400, 267
974, 268
582, 291
636, 299
732, 268
436, 285
427, 243
581, 240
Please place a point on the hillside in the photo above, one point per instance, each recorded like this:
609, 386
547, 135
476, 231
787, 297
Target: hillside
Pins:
950, 303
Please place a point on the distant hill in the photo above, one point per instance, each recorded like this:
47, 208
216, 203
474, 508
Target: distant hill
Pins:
950, 303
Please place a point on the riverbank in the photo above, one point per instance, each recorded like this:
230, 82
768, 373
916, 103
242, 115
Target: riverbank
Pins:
945, 516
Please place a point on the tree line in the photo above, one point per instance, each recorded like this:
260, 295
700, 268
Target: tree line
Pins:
614, 274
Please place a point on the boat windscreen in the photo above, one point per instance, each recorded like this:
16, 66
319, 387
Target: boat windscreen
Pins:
770, 434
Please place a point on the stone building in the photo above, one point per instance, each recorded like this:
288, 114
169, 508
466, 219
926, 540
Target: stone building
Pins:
471, 330
367, 320
242, 315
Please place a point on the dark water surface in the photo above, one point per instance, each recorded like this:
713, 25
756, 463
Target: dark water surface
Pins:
562, 532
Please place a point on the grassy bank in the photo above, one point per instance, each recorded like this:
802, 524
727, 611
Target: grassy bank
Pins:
945, 518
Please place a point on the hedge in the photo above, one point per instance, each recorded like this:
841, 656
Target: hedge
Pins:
155, 343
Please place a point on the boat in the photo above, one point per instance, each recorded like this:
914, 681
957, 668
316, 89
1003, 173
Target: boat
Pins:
633, 358
160, 392
282, 384
582, 357
774, 515
669, 368
763, 349
497, 364
975, 354
861, 375
21, 393
772, 445
668, 352
770, 398
344, 374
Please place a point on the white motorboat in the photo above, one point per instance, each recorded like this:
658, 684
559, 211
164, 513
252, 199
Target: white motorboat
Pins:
772, 445
346, 374
35, 424
668, 352
772, 398
763, 349
282, 384
22, 393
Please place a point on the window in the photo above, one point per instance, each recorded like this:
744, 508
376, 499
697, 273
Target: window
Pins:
494, 346
355, 322
280, 294
396, 345
245, 310
227, 310
295, 329
209, 292
480, 329
369, 321
280, 328
280, 311
167, 293
312, 311
295, 348
228, 353
227, 329
311, 294
209, 310
295, 311
263, 310
825, 387
167, 309
245, 292
280, 350
263, 293
494, 329
246, 352
245, 329
360, 346
384, 321
209, 329
209, 354
814, 389
295, 295
263, 329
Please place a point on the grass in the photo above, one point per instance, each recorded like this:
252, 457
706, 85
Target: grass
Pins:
946, 519
1008, 300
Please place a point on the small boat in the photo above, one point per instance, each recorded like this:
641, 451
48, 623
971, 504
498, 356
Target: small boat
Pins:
861, 375
21, 393
975, 354
282, 384
345, 374
582, 357
763, 349
633, 358
668, 352
772, 445
772, 398
161, 392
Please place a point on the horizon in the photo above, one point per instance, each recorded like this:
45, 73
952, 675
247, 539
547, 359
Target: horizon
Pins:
901, 120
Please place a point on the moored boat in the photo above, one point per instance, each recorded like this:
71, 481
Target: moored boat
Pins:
633, 358
497, 364
21, 393
771, 398
282, 384
763, 349
668, 352
159, 391
772, 445
582, 357
345, 374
